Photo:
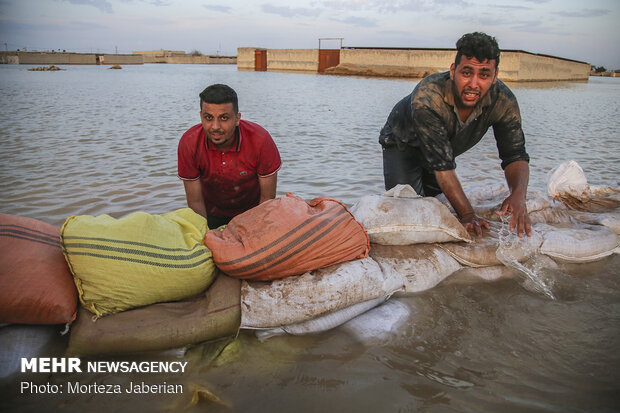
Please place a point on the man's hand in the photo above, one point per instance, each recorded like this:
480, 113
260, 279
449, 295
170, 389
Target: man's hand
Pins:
451, 187
517, 177
474, 223
519, 220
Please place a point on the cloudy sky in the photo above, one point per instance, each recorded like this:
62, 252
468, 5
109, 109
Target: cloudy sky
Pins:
576, 29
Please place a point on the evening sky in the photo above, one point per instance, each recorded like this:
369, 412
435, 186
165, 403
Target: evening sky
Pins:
581, 30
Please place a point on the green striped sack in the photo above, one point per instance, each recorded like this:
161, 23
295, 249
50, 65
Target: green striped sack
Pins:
137, 260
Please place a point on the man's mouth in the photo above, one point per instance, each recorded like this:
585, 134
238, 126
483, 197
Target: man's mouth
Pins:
470, 95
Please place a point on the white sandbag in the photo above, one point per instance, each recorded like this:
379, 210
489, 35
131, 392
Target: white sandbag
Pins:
487, 200
379, 323
322, 323
492, 273
404, 221
300, 298
578, 244
568, 184
422, 266
482, 251
568, 179
610, 220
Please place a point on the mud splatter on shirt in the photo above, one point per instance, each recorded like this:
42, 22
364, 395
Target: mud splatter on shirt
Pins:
427, 119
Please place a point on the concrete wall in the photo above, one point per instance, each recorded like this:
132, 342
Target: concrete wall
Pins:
515, 65
532, 67
245, 58
121, 59
293, 60
49, 58
200, 60
435, 60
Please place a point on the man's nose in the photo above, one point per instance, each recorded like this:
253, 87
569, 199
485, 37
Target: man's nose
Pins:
473, 81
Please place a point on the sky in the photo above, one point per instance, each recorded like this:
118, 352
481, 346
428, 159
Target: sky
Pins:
587, 31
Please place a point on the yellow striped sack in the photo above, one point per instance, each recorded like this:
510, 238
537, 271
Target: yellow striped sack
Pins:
137, 260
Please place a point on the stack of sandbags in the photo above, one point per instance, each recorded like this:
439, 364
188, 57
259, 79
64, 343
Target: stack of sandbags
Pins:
287, 236
406, 231
137, 260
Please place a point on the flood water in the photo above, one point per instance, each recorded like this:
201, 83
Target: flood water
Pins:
88, 140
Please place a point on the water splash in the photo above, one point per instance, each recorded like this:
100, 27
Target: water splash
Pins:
510, 247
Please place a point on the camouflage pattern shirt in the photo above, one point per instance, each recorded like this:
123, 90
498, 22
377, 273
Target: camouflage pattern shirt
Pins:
427, 119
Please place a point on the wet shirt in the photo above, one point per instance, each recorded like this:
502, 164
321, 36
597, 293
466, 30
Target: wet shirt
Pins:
229, 178
427, 119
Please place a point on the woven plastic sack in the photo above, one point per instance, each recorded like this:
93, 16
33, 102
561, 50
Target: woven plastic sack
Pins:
482, 252
305, 297
287, 236
579, 244
162, 326
137, 260
422, 266
390, 220
36, 286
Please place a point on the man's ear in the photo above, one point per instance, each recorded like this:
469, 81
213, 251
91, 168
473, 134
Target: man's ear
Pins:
237, 118
452, 67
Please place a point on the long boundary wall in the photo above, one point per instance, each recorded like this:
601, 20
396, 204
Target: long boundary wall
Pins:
48, 58
515, 65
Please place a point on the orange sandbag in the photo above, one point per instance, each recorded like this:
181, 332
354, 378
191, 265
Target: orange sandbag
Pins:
287, 236
36, 286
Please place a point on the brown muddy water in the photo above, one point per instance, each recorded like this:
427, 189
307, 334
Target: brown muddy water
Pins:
89, 140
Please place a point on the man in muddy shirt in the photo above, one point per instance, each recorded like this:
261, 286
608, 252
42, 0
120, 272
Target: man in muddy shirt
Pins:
446, 115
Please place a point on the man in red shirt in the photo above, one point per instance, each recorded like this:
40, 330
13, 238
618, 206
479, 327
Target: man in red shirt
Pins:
227, 165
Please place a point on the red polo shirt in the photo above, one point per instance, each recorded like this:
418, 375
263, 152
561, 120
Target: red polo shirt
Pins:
229, 178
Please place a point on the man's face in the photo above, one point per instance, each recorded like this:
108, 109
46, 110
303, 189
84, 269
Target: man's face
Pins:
219, 122
472, 79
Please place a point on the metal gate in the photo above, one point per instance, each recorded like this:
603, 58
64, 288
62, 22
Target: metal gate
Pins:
328, 58
260, 60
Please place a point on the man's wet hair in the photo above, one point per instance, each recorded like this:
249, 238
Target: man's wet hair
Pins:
479, 45
219, 94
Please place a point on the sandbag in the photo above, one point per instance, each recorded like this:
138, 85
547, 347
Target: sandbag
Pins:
137, 260
304, 297
162, 326
422, 266
36, 286
381, 323
578, 244
390, 220
28, 341
322, 323
287, 236
568, 184
482, 251
610, 220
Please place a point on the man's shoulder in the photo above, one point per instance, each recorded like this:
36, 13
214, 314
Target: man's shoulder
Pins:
253, 132
430, 91
192, 134
252, 127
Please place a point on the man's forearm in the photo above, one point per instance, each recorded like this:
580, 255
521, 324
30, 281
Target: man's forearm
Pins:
451, 187
517, 177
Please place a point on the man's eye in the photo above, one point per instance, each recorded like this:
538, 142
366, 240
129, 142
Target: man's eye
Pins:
224, 118
484, 75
